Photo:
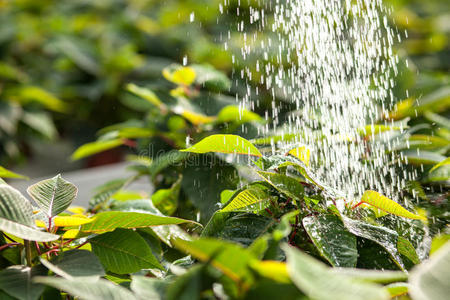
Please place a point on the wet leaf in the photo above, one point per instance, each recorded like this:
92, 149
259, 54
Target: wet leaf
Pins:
332, 239
224, 143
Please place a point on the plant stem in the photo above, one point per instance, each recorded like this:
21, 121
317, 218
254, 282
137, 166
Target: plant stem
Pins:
27, 245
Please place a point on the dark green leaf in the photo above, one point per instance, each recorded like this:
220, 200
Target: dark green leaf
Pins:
123, 251
332, 239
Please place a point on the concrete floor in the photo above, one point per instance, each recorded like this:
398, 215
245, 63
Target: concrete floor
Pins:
88, 179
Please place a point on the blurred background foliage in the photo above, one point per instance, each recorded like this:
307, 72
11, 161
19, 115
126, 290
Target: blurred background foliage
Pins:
64, 65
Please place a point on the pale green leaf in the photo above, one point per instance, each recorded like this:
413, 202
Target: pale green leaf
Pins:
224, 143
444, 162
387, 205
430, 280
16, 281
232, 113
145, 94
95, 147
53, 195
14, 206
249, 196
88, 288
5, 173
149, 288
319, 282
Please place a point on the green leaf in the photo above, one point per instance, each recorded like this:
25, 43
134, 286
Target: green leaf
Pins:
41, 122
444, 162
53, 195
166, 200
387, 205
376, 276
420, 157
14, 206
332, 240
123, 251
249, 196
104, 192
211, 78
228, 257
319, 282
88, 289
145, 94
383, 236
110, 220
407, 249
149, 288
36, 94
95, 147
232, 113
289, 186
429, 280
16, 281
224, 143
75, 263
26, 232
397, 289
5, 173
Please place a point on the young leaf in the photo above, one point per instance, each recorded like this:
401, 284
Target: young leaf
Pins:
332, 240
444, 162
319, 282
87, 288
180, 75
53, 195
123, 251
302, 153
75, 263
224, 143
387, 205
110, 220
105, 191
145, 94
95, 147
65, 221
397, 289
5, 173
253, 194
16, 281
232, 113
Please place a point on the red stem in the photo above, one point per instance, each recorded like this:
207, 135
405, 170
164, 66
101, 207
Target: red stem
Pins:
8, 245
357, 205
38, 249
